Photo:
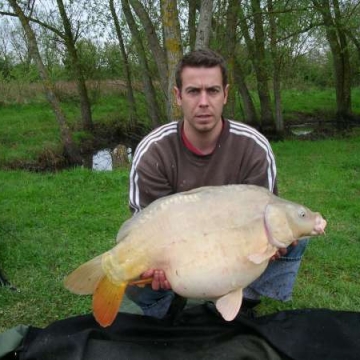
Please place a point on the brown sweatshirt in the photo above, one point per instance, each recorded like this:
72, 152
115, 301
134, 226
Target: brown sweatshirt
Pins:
163, 165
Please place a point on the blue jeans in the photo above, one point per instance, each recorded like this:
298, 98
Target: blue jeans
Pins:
276, 282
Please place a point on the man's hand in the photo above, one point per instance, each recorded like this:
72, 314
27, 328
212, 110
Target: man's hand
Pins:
159, 279
283, 251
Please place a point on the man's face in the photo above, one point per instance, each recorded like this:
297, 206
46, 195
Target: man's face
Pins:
202, 97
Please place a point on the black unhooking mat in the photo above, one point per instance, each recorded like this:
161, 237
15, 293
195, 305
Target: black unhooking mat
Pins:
199, 333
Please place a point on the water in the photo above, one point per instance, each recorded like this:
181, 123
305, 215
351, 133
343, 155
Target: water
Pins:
301, 130
102, 160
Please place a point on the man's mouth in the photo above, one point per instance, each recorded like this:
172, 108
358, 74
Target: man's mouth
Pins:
203, 116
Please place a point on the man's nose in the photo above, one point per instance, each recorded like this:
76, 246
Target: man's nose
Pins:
203, 101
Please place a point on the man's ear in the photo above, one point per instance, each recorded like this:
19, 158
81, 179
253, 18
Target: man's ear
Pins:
177, 93
226, 93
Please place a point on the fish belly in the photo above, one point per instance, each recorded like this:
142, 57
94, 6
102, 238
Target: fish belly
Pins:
213, 282
198, 270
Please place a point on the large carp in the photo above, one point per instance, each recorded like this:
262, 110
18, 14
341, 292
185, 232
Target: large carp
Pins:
211, 243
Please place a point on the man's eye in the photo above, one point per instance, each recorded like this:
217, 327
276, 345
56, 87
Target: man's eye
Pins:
213, 91
193, 91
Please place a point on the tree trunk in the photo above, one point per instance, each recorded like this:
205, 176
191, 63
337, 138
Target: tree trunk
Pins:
85, 107
256, 49
276, 62
157, 51
71, 150
172, 41
267, 123
251, 117
229, 47
236, 74
149, 89
204, 26
192, 23
130, 93
341, 59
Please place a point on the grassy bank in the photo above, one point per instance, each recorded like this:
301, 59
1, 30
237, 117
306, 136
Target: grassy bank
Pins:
29, 133
50, 223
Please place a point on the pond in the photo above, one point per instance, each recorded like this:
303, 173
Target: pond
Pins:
301, 130
102, 160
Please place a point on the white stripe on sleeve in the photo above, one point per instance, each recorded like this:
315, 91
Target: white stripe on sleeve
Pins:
142, 148
246, 130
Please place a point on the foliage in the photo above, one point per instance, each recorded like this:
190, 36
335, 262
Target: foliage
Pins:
99, 53
52, 222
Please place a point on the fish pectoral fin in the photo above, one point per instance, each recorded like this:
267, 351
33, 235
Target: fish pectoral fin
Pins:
107, 300
229, 304
258, 258
141, 282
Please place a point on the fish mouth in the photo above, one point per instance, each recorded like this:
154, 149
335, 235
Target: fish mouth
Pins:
320, 225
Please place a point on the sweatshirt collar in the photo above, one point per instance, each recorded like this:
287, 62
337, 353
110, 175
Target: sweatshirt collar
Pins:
189, 145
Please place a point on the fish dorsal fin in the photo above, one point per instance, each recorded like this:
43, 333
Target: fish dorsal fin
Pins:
260, 257
107, 300
229, 304
126, 227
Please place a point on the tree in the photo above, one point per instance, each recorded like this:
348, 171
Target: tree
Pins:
76, 67
276, 65
173, 48
71, 150
191, 24
126, 66
336, 36
69, 39
149, 90
256, 49
232, 51
204, 26
158, 53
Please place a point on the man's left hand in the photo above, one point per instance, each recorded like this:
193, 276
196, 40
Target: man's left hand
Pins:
159, 279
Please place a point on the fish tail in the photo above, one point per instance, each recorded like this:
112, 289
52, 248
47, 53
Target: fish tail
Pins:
107, 300
85, 279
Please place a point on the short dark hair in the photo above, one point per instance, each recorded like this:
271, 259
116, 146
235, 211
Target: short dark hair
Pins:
201, 58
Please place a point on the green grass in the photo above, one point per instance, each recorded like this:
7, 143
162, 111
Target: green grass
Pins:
30, 131
309, 101
315, 102
52, 222
25, 130
49, 223
325, 176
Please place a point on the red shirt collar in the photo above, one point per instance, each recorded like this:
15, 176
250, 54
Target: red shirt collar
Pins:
189, 145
